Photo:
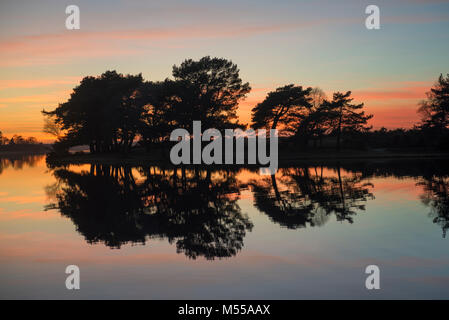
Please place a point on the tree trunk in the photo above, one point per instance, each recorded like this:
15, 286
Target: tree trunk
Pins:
342, 194
339, 130
275, 188
275, 123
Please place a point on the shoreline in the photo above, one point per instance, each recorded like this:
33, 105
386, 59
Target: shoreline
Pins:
145, 159
23, 153
24, 150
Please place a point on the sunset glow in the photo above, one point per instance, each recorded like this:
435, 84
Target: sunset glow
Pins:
320, 45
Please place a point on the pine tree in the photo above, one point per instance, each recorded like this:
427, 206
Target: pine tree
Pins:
346, 117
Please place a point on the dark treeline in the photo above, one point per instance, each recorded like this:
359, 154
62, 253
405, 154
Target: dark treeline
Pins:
17, 140
24, 145
112, 111
116, 113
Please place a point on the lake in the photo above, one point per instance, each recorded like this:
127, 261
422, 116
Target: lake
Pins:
163, 233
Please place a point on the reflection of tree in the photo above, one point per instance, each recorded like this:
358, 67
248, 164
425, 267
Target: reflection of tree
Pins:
432, 176
436, 196
18, 161
197, 209
286, 207
305, 196
348, 194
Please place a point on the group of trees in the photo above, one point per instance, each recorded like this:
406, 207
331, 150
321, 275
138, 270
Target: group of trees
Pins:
113, 111
17, 140
306, 113
435, 113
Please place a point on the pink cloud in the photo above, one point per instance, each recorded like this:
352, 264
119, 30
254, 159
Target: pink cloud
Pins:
60, 48
395, 106
394, 116
413, 92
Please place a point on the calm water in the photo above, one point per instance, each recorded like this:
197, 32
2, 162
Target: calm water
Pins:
149, 232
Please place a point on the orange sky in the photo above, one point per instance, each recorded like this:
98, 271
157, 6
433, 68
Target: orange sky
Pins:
317, 44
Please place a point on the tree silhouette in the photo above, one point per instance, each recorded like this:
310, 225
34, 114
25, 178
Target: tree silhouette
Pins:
112, 112
435, 110
434, 113
346, 117
157, 99
315, 122
208, 90
52, 127
284, 107
100, 113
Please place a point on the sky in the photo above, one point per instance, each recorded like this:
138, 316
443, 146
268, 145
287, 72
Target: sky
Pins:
310, 43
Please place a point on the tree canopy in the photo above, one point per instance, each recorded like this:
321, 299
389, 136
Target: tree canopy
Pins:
284, 106
100, 112
110, 111
113, 112
344, 116
435, 109
210, 90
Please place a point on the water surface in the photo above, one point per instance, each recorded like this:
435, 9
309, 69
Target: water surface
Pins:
151, 232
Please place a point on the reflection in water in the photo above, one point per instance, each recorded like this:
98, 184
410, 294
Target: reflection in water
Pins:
198, 211
18, 161
432, 177
436, 196
304, 196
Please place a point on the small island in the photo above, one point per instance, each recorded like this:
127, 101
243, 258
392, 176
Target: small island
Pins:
123, 119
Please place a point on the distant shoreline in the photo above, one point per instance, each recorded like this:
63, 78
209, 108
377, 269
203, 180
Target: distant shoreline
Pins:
284, 159
24, 150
